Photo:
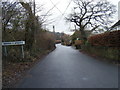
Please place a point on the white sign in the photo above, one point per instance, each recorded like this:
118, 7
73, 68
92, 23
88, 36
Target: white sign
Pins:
13, 43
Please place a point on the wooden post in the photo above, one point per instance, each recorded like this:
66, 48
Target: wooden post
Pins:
22, 51
5, 49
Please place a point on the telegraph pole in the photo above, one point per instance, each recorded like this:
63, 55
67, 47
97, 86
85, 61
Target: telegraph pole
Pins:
34, 7
35, 29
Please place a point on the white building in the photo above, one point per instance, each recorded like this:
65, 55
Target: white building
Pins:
119, 14
118, 10
116, 26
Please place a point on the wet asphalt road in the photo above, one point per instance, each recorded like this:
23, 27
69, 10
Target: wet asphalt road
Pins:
66, 67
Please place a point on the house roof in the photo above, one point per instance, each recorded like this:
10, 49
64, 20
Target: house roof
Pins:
116, 24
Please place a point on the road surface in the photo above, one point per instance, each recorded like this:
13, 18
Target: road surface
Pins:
66, 67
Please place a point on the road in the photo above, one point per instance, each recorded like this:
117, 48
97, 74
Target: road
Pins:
66, 67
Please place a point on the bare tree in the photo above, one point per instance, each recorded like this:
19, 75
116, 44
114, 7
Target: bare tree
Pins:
11, 14
92, 14
9, 10
33, 22
29, 25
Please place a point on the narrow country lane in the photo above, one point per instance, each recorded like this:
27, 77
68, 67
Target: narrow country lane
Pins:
66, 67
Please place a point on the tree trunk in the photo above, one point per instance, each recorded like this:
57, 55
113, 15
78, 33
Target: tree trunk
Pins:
83, 35
30, 26
30, 32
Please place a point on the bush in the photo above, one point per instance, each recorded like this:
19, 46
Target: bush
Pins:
105, 45
78, 44
111, 53
57, 41
44, 41
111, 39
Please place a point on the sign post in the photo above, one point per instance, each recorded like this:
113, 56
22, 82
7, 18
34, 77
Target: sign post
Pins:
5, 51
21, 43
22, 51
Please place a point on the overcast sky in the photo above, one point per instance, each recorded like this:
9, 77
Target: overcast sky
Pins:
62, 9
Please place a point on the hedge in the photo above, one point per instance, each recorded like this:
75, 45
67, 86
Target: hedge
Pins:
111, 39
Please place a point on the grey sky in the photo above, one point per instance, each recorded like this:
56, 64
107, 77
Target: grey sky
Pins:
62, 9
58, 14
60, 24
